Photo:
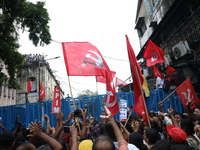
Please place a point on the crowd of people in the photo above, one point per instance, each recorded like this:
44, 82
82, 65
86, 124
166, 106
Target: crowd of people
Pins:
34, 57
164, 131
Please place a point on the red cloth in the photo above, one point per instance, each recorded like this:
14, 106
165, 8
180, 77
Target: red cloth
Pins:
83, 59
186, 93
120, 82
111, 99
170, 70
102, 79
29, 85
157, 73
42, 92
153, 54
56, 104
138, 79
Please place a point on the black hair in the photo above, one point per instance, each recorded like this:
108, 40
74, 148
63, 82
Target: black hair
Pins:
6, 140
103, 138
136, 139
187, 126
152, 135
182, 147
177, 113
25, 146
109, 129
128, 126
155, 126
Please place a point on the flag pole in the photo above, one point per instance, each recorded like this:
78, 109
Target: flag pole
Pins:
96, 85
70, 88
168, 96
145, 107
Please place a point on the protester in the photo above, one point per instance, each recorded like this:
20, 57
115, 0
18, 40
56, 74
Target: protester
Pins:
165, 131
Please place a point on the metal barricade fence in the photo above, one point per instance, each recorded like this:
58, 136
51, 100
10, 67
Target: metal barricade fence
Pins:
29, 112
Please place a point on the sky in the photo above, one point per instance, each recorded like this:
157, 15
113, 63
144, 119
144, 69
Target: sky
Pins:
103, 23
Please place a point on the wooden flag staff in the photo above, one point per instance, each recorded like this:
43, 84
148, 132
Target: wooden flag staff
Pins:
145, 107
71, 93
168, 96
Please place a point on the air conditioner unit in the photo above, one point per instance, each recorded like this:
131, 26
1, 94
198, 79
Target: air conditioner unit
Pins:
167, 59
180, 49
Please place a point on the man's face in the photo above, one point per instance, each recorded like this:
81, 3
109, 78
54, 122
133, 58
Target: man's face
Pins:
178, 118
197, 112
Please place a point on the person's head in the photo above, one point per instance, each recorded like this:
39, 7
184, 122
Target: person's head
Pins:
26, 146
182, 147
178, 117
103, 142
176, 134
136, 139
154, 125
85, 145
197, 111
187, 126
7, 140
151, 136
109, 130
128, 126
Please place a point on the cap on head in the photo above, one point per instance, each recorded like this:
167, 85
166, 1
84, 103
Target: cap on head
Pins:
176, 133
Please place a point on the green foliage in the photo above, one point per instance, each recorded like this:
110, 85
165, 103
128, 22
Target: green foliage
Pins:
87, 93
27, 16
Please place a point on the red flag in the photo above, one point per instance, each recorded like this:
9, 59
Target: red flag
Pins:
170, 70
42, 92
186, 93
83, 59
102, 79
120, 82
157, 73
56, 107
153, 54
111, 99
29, 85
139, 102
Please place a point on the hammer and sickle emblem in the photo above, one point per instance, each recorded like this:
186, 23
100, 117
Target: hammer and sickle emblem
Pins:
187, 95
98, 60
109, 93
154, 56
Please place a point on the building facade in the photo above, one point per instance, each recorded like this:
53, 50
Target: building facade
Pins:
7, 95
37, 73
173, 25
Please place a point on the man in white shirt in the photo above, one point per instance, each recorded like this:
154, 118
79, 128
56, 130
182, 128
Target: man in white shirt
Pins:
159, 83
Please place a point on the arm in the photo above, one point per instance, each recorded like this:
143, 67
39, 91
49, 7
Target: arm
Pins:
74, 141
174, 122
2, 127
35, 129
120, 138
47, 130
126, 133
84, 130
166, 119
190, 112
60, 127
160, 105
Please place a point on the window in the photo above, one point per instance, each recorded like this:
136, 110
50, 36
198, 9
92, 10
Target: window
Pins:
140, 26
31, 84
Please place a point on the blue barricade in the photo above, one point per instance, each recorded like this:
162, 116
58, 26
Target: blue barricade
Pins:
29, 112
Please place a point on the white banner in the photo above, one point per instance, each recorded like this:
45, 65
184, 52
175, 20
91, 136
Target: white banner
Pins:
123, 109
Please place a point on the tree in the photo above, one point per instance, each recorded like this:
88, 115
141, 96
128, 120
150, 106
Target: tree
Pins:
20, 14
87, 93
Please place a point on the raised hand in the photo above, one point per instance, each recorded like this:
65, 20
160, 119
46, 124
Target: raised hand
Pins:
35, 128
